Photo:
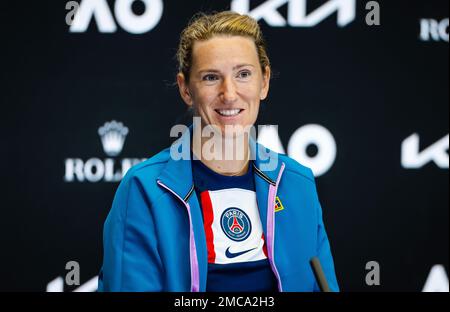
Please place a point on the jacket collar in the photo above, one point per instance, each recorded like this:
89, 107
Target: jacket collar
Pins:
177, 174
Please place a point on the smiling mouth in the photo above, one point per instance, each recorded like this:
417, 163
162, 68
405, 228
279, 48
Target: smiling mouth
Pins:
229, 112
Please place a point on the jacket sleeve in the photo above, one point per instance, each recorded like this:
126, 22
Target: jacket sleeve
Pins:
130, 256
324, 251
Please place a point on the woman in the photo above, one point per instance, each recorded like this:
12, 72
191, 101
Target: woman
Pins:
211, 222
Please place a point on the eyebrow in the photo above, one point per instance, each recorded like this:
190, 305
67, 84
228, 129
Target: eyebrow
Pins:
216, 71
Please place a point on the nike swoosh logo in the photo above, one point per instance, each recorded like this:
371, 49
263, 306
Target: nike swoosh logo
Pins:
235, 254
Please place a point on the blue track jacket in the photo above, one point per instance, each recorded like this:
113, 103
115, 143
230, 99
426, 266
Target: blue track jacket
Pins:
154, 238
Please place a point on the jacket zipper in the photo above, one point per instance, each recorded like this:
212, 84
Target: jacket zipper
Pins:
195, 277
271, 226
270, 233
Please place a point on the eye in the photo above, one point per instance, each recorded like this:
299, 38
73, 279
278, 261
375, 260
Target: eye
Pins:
244, 74
210, 77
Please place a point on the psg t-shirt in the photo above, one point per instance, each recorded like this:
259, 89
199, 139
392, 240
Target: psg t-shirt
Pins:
237, 252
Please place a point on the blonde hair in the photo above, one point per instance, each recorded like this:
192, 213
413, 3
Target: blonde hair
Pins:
205, 26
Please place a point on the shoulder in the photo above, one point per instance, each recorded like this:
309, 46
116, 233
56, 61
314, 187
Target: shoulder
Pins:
141, 178
150, 167
140, 182
293, 167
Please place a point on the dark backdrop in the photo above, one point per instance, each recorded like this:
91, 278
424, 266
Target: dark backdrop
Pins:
371, 87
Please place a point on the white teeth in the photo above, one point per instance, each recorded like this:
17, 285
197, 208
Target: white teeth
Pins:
228, 112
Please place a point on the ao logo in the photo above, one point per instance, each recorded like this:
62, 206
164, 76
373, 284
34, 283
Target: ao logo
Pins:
296, 12
311, 134
433, 30
126, 18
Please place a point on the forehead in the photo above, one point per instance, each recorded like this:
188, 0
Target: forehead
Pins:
224, 49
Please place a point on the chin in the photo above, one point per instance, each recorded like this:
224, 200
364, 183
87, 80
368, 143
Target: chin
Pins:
238, 131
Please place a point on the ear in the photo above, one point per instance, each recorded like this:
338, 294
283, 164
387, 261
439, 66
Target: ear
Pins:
265, 83
183, 88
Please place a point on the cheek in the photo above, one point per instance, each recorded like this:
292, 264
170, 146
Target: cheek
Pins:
251, 94
204, 98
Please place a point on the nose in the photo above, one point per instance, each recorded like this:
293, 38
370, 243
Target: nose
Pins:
228, 91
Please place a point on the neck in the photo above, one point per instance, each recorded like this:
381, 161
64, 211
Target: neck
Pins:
224, 154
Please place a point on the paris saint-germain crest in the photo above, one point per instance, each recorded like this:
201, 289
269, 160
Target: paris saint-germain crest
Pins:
235, 224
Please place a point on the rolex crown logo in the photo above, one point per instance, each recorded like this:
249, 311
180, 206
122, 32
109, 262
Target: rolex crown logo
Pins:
113, 136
